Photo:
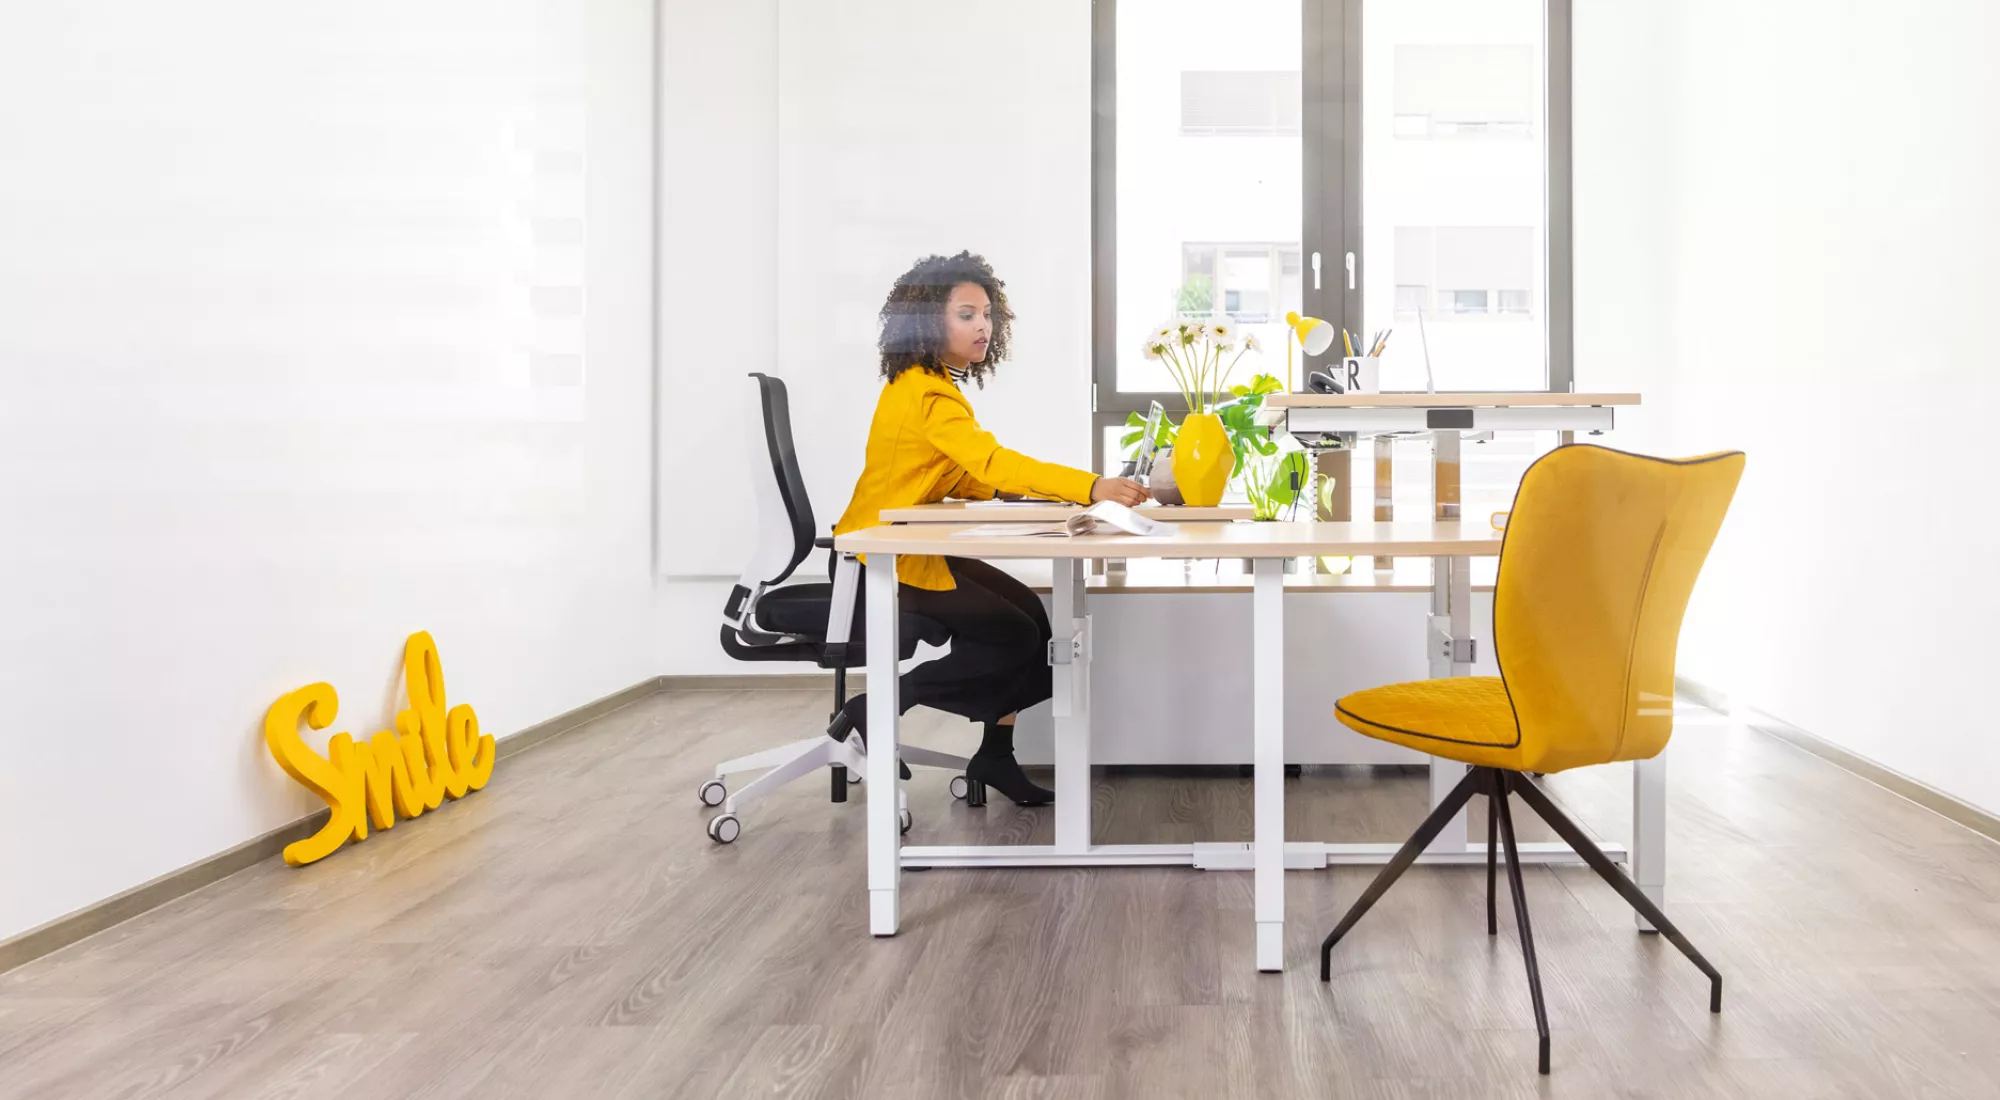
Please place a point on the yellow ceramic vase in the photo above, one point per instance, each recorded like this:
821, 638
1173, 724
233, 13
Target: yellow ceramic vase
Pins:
1202, 460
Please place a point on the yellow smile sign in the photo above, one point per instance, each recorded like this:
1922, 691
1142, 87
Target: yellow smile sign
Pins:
440, 754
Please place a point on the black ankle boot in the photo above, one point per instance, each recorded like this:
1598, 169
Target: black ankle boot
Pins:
853, 718
1003, 773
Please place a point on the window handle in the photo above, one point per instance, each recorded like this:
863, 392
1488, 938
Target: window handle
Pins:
1315, 271
1350, 271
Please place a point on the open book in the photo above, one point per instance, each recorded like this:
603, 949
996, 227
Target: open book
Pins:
1103, 518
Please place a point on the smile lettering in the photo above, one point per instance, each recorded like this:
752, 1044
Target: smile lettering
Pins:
436, 752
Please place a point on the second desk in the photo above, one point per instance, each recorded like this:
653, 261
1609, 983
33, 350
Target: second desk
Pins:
1267, 545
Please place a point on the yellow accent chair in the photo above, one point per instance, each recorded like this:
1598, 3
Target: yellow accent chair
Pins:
1600, 557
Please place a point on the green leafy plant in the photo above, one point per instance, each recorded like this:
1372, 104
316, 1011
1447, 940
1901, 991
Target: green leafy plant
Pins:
1239, 418
1275, 484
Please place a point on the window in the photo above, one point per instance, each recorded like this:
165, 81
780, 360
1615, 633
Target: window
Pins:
1253, 279
1463, 301
1197, 293
1410, 299
1240, 104
1240, 163
1464, 260
1208, 199
1472, 284
1247, 278
1463, 90
1456, 193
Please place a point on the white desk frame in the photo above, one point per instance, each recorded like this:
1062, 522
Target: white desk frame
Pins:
1268, 855
959, 511
1446, 416
1373, 413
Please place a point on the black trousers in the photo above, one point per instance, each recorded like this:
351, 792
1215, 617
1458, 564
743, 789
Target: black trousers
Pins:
999, 659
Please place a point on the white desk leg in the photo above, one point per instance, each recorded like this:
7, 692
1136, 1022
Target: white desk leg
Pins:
1649, 832
885, 833
1070, 705
1267, 727
1449, 638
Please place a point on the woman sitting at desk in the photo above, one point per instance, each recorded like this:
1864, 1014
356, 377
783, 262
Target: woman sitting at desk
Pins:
946, 323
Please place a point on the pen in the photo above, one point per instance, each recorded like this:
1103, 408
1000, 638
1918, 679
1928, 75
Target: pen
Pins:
1350, 343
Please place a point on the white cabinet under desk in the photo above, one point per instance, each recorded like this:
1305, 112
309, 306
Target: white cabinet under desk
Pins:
1171, 683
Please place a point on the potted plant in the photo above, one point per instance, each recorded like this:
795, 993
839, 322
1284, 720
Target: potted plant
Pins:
1200, 355
1239, 423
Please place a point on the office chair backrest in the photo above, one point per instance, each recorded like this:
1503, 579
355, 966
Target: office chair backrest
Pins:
784, 515
784, 534
1601, 554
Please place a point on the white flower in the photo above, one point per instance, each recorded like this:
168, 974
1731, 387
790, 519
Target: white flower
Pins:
1223, 335
1251, 343
1153, 349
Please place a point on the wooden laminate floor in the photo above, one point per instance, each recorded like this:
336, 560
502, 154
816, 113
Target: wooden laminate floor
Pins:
571, 932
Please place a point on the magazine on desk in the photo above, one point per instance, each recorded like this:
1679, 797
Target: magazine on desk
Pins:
1106, 517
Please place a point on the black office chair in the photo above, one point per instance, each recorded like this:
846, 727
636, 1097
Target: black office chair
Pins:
766, 620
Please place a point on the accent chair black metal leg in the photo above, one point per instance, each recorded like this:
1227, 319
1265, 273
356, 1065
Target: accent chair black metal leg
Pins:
839, 773
1521, 922
1412, 848
1493, 797
1574, 836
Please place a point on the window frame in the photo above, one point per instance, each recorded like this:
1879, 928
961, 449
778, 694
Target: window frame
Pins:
1330, 110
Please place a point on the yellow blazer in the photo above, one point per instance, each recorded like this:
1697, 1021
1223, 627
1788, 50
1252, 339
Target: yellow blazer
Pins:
924, 446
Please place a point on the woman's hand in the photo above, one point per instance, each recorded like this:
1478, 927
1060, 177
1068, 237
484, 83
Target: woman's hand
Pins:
1121, 489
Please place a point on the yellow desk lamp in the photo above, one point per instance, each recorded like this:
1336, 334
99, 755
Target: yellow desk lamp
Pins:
1314, 336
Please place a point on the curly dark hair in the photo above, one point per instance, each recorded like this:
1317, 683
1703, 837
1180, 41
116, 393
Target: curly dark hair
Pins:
913, 317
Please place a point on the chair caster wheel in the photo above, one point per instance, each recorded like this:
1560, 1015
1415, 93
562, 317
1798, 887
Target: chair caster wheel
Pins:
713, 793
904, 819
724, 828
960, 786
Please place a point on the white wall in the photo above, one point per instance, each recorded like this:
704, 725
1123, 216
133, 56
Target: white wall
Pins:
718, 257
901, 128
317, 326
1823, 257
1622, 149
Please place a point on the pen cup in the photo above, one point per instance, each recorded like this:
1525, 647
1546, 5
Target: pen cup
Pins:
1361, 373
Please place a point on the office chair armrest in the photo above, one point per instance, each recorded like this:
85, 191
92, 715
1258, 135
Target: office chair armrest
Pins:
823, 544
840, 611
